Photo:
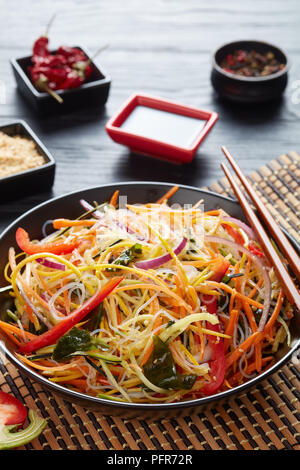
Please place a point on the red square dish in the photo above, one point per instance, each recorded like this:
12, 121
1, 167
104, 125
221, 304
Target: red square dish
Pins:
160, 128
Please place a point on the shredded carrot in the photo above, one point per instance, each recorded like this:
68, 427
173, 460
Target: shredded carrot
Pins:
114, 199
234, 315
12, 337
14, 329
254, 290
181, 309
80, 384
118, 315
213, 212
60, 223
276, 312
250, 369
200, 335
32, 293
158, 288
147, 354
30, 313
168, 194
50, 367
229, 289
235, 355
156, 324
59, 300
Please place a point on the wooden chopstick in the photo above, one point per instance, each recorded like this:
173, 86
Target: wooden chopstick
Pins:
272, 255
277, 234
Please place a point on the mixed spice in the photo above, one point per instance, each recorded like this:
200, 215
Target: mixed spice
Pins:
251, 63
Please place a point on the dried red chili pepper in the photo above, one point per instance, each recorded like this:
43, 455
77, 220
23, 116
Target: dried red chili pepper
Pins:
68, 68
40, 47
71, 54
73, 80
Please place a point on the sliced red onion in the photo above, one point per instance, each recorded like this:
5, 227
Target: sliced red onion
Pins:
262, 269
156, 262
51, 264
248, 230
88, 207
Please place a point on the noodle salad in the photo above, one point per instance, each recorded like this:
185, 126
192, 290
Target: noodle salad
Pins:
145, 303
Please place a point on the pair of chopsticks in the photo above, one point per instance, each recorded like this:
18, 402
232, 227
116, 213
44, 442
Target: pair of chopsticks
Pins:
279, 237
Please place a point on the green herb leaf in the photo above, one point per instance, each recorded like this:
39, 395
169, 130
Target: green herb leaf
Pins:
74, 340
112, 244
161, 371
127, 256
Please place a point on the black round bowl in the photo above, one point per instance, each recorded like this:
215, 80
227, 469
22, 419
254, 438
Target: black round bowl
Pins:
141, 192
249, 89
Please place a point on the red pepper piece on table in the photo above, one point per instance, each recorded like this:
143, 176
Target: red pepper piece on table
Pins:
57, 248
218, 362
51, 336
12, 411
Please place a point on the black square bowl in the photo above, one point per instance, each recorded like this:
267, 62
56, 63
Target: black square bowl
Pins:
93, 92
29, 181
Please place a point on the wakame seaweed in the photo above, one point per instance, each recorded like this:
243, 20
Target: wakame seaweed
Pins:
160, 369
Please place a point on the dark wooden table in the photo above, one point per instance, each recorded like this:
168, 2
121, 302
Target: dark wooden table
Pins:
161, 47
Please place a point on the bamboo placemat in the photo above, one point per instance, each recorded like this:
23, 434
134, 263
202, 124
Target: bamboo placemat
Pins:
267, 417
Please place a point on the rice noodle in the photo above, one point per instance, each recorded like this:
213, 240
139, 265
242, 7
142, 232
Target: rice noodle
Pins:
71, 286
262, 269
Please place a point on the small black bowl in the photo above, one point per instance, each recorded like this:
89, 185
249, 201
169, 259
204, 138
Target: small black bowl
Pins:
249, 89
29, 181
94, 91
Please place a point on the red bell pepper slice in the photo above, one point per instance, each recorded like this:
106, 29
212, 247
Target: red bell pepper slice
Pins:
57, 248
218, 362
51, 336
234, 233
12, 411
